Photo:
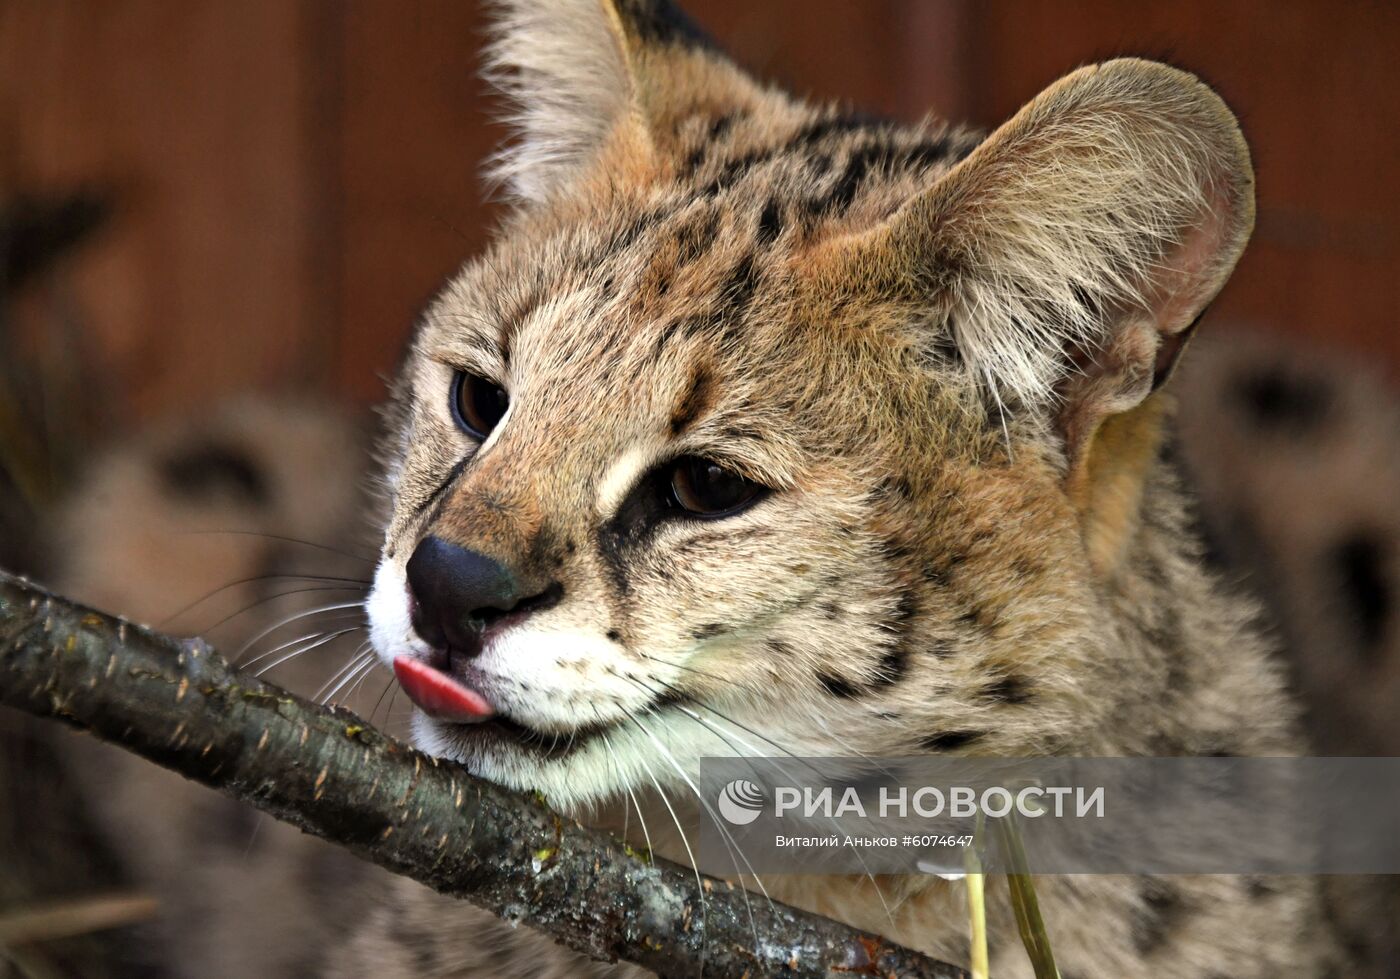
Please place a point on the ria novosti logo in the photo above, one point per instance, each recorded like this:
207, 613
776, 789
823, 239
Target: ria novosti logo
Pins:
741, 801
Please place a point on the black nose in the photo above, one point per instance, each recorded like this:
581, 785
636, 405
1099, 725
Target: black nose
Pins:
458, 593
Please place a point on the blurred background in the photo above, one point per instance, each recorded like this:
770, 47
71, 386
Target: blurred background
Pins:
284, 182
203, 200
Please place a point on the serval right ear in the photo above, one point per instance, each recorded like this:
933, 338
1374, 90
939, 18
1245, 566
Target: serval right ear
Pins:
588, 78
1078, 243
1067, 260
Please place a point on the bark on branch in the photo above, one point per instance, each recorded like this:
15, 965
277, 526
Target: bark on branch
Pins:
329, 773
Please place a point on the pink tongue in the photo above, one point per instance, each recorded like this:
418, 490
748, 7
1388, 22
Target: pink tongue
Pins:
439, 695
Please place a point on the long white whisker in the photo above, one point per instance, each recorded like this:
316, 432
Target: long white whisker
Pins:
289, 540
729, 720
344, 584
350, 694
320, 640
340, 606
889, 913
360, 669
762, 737
685, 842
382, 694
698, 672
646, 835
702, 800
281, 646
870, 875
849, 747
263, 601
735, 855
351, 665
621, 779
366, 663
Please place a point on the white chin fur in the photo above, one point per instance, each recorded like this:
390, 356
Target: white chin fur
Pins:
554, 678
558, 679
601, 769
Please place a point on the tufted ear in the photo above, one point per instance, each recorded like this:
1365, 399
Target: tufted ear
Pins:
581, 74
1069, 256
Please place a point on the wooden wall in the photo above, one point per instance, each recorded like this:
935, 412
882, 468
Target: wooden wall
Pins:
295, 177
196, 117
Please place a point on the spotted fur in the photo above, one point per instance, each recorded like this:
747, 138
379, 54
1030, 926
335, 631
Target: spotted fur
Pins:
942, 355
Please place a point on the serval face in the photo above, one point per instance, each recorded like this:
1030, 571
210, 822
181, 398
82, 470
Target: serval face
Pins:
763, 428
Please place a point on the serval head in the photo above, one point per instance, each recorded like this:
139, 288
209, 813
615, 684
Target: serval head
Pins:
763, 427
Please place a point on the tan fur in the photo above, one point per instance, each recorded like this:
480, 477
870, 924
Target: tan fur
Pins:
1107, 488
939, 354
1283, 483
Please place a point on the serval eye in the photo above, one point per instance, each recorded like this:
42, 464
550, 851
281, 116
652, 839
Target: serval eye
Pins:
477, 403
707, 489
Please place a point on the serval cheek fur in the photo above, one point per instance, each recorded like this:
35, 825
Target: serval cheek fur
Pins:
941, 357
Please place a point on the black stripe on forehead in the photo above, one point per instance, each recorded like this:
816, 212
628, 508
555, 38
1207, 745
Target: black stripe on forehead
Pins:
889, 158
437, 496
696, 397
803, 140
728, 309
869, 147
724, 123
719, 127
596, 262
622, 234
834, 125
698, 236
737, 292
770, 222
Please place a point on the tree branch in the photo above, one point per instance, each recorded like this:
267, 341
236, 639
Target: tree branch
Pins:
329, 773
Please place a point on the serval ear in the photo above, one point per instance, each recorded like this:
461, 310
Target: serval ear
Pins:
1068, 257
585, 77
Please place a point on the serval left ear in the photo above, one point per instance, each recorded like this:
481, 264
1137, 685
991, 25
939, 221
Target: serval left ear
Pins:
601, 86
